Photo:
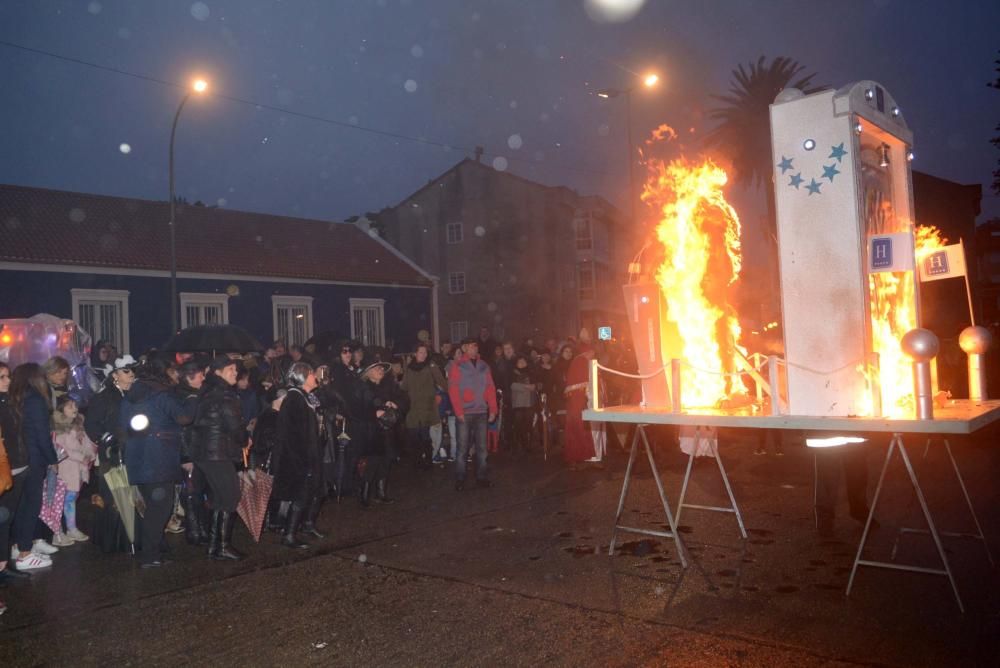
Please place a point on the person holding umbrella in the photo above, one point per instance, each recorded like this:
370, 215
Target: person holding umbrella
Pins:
101, 425
296, 459
216, 447
152, 418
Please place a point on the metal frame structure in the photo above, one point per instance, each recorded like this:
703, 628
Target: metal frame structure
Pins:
732, 508
897, 442
640, 432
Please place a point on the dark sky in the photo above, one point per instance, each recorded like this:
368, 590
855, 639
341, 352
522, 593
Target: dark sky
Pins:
517, 77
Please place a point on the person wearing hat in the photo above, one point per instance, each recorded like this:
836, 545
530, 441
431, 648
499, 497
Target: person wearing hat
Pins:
373, 415
474, 400
101, 425
217, 441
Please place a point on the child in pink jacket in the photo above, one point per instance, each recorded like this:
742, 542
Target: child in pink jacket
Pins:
74, 469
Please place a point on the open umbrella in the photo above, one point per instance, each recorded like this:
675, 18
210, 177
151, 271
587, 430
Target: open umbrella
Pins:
255, 492
117, 480
213, 339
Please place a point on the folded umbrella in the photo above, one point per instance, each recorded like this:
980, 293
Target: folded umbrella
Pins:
255, 492
53, 497
121, 491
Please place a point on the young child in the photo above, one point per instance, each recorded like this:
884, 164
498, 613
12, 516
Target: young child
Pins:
74, 470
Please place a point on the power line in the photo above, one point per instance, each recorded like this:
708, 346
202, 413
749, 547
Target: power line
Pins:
312, 117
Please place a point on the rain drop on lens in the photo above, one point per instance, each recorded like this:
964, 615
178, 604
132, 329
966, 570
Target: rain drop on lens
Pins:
200, 11
515, 142
125, 148
500, 163
410, 86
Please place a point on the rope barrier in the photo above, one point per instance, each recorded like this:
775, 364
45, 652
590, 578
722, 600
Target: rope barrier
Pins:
662, 369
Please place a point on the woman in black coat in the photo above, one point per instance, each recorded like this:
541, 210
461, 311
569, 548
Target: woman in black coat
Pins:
17, 456
375, 416
217, 439
297, 459
101, 425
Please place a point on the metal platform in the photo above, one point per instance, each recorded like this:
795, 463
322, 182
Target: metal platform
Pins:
959, 417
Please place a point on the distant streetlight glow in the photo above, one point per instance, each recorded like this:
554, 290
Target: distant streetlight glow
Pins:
651, 80
197, 86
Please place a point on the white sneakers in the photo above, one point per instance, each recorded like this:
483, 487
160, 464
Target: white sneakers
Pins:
77, 536
32, 562
41, 547
61, 540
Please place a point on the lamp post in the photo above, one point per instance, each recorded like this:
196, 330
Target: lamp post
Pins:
648, 81
197, 86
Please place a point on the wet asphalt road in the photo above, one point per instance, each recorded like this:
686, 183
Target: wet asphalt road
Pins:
519, 575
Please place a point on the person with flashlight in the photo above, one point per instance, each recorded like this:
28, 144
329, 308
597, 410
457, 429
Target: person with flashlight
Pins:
153, 418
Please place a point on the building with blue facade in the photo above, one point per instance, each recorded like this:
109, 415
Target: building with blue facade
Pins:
104, 262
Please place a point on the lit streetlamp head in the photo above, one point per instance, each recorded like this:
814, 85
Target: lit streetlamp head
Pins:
199, 85
651, 80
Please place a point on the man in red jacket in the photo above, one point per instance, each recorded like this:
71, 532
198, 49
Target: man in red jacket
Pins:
474, 399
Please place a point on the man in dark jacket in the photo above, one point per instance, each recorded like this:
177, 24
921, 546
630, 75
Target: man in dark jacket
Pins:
503, 375
216, 447
152, 418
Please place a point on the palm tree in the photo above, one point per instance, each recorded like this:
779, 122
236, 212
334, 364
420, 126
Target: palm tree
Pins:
744, 132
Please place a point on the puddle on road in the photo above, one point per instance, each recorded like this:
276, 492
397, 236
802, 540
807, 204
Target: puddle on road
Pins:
760, 532
565, 534
534, 558
639, 548
726, 572
831, 587
750, 588
817, 562
786, 589
761, 541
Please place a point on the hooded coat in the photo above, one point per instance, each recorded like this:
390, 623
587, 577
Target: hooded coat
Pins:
153, 455
296, 460
421, 380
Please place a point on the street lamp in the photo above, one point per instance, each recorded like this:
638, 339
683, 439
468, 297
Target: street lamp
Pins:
197, 86
648, 81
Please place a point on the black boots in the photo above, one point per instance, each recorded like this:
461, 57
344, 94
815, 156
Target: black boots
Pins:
365, 493
381, 491
220, 537
309, 523
292, 520
194, 532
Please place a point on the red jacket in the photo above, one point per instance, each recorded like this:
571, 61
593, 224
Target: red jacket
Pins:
471, 388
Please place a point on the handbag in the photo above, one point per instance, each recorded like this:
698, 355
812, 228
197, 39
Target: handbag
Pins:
6, 479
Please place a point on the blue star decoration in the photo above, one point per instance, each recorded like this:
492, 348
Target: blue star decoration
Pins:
837, 153
830, 171
785, 164
813, 187
796, 180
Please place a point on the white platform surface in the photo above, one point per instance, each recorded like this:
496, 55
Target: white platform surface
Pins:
959, 417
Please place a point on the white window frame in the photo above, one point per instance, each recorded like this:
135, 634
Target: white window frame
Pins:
453, 277
79, 295
365, 304
292, 301
462, 327
458, 237
203, 299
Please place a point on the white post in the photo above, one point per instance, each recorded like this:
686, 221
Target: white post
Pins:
594, 397
675, 385
772, 379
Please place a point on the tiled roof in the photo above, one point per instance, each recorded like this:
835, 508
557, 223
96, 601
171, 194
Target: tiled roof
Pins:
57, 227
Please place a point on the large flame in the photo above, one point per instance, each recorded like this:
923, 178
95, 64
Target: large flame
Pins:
700, 234
893, 314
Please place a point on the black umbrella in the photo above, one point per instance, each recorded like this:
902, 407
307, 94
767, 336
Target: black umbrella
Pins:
213, 339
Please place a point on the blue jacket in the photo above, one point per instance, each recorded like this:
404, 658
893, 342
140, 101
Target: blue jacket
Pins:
154, 454
36, 430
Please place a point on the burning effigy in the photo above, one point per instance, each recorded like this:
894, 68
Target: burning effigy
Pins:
850, 255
